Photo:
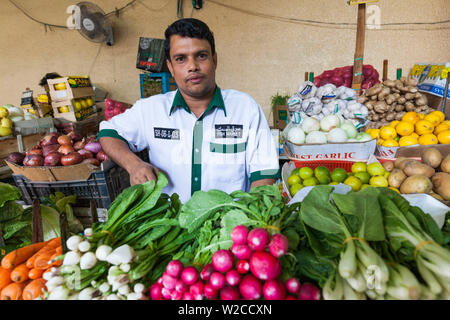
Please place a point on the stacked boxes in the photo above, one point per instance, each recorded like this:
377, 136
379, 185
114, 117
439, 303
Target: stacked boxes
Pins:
73, 98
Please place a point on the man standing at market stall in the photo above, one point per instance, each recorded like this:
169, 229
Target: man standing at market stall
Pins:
200, 136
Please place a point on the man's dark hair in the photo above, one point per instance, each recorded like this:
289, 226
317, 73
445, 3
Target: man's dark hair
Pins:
191, 28
51, 75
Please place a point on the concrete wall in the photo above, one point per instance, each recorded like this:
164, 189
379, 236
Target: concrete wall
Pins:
256, 55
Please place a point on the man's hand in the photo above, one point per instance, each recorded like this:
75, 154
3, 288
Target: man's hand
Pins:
142, 173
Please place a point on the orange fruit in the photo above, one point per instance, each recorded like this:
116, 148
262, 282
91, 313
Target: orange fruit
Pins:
387, 133
444, 137
428, 138
433, 118
411, 116
423, 127
404, 128
407, 141
441, 127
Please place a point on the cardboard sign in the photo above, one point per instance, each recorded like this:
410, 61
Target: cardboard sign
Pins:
431, 77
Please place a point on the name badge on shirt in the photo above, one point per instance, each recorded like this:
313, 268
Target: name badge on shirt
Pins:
229, 130
167, 133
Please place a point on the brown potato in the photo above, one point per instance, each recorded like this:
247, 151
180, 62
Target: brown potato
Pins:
398, 161
445, 164
402, 164
417, 168
432, 157
396, 178
388, 165
416, 184
441, 184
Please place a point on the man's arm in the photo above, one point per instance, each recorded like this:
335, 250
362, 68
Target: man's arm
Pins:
118, 150
263, 182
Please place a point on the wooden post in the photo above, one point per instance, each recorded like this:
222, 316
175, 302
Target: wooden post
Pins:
359, 51
306, 76
36, 218
2, 241
93, 209
385, 70
64, 228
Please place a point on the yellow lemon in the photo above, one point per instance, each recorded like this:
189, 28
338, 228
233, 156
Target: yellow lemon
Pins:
354, 183
5, 131
6, 122
380, 142
447, 122
77, 105
60, 86
63, 109
411, 116
423, 127
394, 123
3, 112
433, 118
408, 141
374, 133
404, 128
387, 132
415, 135
295, 188
90, 102
421, 116
428, 138
441, 127
359, 167
379, 181
375, 169
390, 143
395, 189
440, 114
444, 137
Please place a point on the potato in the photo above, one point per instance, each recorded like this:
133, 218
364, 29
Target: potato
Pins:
416, 184
402, 163
441, 184
414, 168
432, 157
388, 166
398, 161
396, 178
445, 164
436, 196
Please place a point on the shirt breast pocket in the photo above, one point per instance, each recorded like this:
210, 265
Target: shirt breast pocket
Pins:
228, 159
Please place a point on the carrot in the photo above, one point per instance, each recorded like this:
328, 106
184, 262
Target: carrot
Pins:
35, 273
59, 250
54, 243
56, 263
19, 256
34, 289
20, 273
42, 260
13, 291
32, 259
5, 277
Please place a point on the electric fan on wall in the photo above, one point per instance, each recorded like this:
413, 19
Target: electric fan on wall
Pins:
94, 24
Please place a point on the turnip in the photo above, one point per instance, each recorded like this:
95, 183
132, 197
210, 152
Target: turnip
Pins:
241, 251
84, 246
134, 296
155, 291
258, 239
217, 280
59, 293
274, 290
88, 260
102, 252
122, 254
243, 266
309, 291
166, 293
197, 288
180, 286
124, 289
54, 282
86, 294
188, 296
293, 285
264, 266
229, 293
174, 268
71, 258
73, 241
113, 297
278, 245
222, 260
206, 272
250, 288
125, 267
239, 234
104, 287
233, 277
139, 288
209, 291
189, 275
88, 232
169, 282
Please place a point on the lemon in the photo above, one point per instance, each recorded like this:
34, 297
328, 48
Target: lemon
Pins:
421, 116
375, 169
306, 172
295, 188
374, 133
433, 118
394, 124
408, 141
3, 112
84, 104
310, 182
415, 135
444, 137
411, 116
77, 115
395, 189
6, 122
293, 179
440, 114
363, 176
77, 105
5, 131
404, 128
354, 183
387, 132
90, 102
380, 142
441, 127
386, 174
379, 181
63, 109
428, 138
338, 175
390, 143
423, 127
321, 172
359, 167
60, 86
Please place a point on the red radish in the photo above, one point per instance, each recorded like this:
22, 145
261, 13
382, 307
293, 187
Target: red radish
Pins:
309, 291
217, 280
274, 290
189, 275
279, 245
229, 293
206, 272
264, 266
160, 280
169, 282
180, 286
188, 296
166, 293
155, 291
222, 260
258, 239
243, 266
290, 298
197, 288
176, 295
233, 277
293, 285
250, 288
241, 251
174, 268
239, 234
209, 291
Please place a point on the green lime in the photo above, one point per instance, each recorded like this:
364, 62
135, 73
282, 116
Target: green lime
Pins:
354, 183
324, 180
363, 176
375, 169
295, 171
359, 167
310, 182
339, 175
293, 179
305, 173
295, 188
321, 172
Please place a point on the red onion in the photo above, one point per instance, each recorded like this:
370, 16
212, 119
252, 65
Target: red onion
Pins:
35, 151
65, 140
92, 161
51, 138
33, 160
52, 159
102, 156
79, 145
71, 159
74, 136
66, 149
50, 148
93, 146
16, 157
86, 154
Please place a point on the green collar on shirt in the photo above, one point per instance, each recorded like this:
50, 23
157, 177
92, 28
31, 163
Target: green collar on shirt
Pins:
216, 102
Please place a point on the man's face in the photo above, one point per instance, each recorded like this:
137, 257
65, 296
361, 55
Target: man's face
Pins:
192, 65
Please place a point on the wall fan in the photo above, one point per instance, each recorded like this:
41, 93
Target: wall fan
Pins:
94, 23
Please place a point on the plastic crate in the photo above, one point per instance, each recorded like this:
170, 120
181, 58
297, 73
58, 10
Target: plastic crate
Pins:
330, 164
167, 82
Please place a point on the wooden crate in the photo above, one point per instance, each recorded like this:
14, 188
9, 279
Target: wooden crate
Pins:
13, 144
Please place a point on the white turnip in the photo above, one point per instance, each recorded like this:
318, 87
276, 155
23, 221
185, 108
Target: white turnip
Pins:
250, 288
71, 258
222, 260
122, 254
217, 280
258, 239
241, 251
73, 241
233, 277
88, 260
239, 234
102, 252
174, 268
278, 245
274, 290
229, 293
264, 266
189, 275
139, 288
84, 246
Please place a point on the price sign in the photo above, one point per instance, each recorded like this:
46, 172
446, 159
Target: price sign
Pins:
27, 99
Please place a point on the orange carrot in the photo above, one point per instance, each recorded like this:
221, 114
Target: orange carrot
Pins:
59, 250
42, 260
34, 289
35, 273
5, 277
52, 244
13, 291
20, 273
19, 256
56, 263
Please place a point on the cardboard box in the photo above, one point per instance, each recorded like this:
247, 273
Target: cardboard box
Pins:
414, 151
74, 113
86, 127
18, 144
280, 116
68, 88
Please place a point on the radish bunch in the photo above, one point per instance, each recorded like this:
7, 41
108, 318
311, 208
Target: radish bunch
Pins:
250, 270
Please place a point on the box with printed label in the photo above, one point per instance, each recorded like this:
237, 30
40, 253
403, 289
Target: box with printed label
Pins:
67, 88
74, 109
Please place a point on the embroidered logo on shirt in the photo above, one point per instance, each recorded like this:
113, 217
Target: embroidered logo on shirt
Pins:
167, 133
229, 130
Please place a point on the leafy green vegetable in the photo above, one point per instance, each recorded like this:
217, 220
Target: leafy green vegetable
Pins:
8, 192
